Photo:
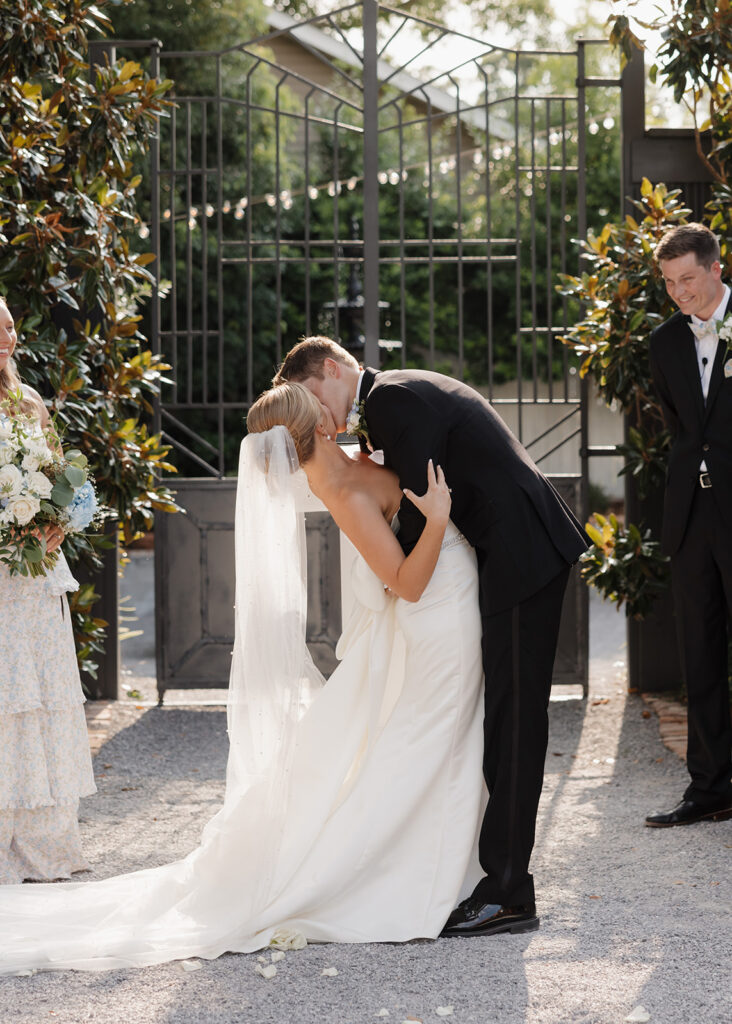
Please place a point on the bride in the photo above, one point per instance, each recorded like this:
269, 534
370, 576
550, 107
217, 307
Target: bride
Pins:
352, 807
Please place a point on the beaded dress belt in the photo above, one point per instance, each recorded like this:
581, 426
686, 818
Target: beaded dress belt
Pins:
451, 542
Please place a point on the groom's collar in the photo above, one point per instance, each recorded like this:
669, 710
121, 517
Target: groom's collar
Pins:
366, 379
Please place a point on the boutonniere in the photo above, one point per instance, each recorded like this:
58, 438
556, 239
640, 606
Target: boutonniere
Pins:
725, 334
356, 422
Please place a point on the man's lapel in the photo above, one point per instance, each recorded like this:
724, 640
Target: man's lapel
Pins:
717, 377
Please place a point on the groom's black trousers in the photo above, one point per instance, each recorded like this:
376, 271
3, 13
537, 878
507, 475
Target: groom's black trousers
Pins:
519, 645
701, 574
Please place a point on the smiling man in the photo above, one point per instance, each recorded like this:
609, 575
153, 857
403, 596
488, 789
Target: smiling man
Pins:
692, 373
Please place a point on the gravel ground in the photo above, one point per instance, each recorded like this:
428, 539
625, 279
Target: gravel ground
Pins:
630, 916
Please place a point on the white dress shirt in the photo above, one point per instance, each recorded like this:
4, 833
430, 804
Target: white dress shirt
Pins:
706, 350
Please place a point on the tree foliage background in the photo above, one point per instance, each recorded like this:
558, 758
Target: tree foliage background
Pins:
267, 210
622, 290
68, 266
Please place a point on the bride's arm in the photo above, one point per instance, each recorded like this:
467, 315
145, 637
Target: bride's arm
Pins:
361, 519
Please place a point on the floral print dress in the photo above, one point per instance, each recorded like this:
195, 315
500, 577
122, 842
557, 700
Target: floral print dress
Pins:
45, 763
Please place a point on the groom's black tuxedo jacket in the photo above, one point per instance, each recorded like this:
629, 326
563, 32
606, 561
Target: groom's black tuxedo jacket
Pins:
699, 431
522, 529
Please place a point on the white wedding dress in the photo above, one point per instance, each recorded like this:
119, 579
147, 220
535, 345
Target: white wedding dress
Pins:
364, 830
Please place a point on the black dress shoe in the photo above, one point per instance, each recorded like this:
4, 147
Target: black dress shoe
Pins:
473, 917
689, 811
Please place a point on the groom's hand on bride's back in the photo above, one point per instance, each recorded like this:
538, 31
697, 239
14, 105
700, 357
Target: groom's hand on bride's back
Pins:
436, 502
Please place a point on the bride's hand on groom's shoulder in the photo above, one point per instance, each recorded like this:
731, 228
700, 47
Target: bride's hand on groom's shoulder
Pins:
436, 502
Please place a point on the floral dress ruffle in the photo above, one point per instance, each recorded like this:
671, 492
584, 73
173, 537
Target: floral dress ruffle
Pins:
45, 763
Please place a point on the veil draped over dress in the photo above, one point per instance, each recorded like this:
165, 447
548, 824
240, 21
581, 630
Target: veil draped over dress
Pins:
351, 808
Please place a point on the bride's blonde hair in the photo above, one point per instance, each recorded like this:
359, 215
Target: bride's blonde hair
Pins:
11, 384
290, 405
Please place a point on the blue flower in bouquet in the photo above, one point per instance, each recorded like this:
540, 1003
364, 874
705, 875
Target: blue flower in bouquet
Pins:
82, 508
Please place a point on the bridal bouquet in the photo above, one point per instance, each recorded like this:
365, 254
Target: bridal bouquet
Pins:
39, 485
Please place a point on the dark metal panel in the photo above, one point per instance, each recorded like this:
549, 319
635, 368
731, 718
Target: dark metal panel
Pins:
195, 587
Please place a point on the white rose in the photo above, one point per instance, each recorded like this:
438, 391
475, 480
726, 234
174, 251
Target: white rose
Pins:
7, 453
6, 428
23, 509
11, 481
38, 454
39, 484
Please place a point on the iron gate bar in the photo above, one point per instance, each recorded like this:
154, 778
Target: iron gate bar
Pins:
370, 185
540, 437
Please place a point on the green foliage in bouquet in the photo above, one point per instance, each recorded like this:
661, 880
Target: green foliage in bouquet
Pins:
68, 265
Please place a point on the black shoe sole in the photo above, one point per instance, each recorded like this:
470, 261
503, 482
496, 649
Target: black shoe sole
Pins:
514, 927
712, 816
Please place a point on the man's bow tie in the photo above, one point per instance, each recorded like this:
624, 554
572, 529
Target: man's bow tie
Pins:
704, 330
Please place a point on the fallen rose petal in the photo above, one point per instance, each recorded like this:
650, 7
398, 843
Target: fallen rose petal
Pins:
25, 974
288, 938
383, 1012
276, 956
267, 972
330, 972
191, 965
639, 1015
444, 1011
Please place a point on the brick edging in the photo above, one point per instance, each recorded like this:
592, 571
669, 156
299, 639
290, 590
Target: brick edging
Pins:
672, 722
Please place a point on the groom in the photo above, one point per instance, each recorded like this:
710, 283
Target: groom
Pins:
525, 538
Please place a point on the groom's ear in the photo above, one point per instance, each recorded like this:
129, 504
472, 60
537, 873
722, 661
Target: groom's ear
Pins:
331, 367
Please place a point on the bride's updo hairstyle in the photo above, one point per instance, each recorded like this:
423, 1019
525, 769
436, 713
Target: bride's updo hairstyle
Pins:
289, 405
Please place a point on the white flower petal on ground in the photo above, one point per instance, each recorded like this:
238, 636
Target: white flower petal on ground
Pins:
329, 972
638, 1015
288, 938
444, 1011
191, 965
276, 956
267, 972
383, 1012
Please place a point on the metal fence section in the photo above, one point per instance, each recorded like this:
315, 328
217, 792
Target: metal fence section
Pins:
369, 175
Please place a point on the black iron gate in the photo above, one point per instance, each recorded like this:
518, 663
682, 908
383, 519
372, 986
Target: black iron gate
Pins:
378, 178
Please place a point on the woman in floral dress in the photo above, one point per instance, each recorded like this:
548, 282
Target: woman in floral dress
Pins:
45, 763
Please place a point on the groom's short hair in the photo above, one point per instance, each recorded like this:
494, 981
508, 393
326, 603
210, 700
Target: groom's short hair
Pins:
685, 238
307, 357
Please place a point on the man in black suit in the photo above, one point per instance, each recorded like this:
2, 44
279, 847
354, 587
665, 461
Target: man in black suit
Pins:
525, 538
692, 373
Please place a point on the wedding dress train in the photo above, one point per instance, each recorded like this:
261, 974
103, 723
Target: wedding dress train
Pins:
364, 830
